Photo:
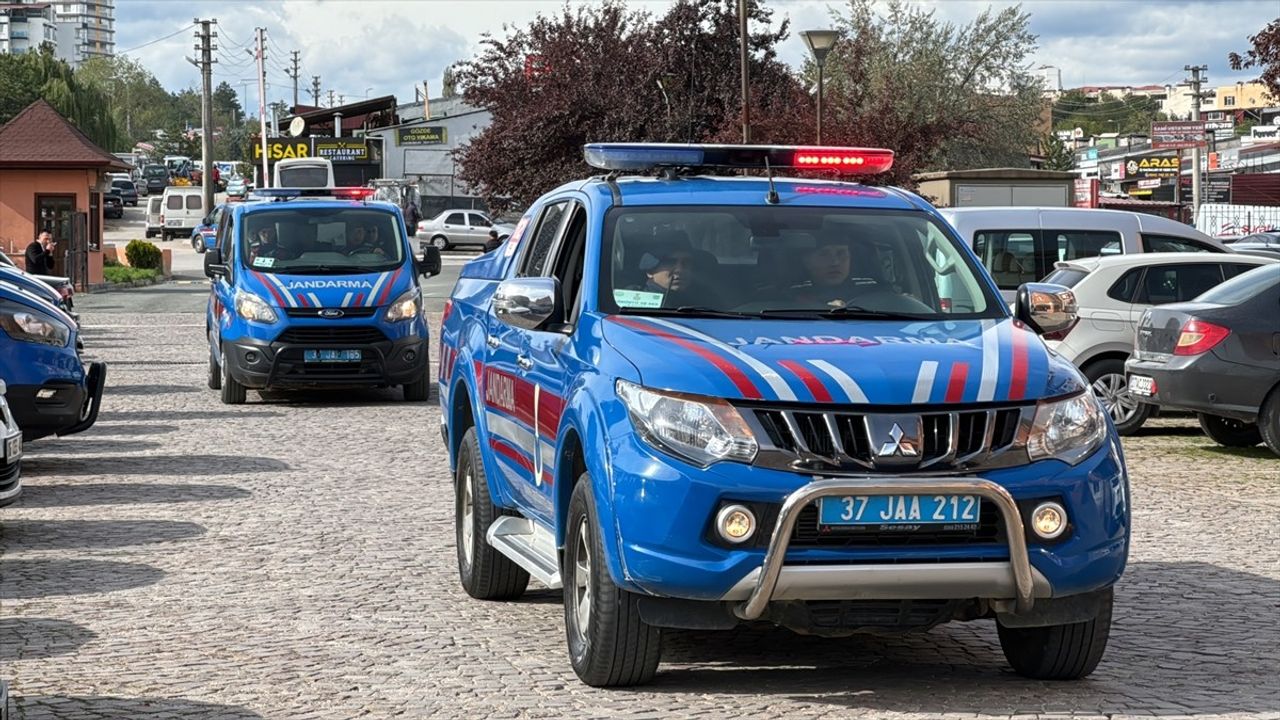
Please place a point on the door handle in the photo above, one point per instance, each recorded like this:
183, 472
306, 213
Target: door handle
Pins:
524, 362
492, 341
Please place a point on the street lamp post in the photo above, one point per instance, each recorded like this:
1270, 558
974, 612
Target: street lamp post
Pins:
820, 43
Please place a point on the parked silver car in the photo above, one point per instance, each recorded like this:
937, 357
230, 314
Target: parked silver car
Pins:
1113, 293
460, 227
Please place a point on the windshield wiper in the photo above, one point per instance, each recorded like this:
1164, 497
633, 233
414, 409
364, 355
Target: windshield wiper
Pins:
321, 270
848, 311
687, 310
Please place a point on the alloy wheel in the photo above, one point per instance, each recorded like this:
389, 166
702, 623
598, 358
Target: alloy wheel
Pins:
1112, 390
468, 516
582, 583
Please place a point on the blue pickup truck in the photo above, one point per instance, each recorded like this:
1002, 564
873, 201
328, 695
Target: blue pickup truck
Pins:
695, 401
315, 289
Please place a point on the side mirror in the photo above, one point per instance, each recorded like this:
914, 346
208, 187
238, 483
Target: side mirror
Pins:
1050, 310
526, 302
430, 262
213, 265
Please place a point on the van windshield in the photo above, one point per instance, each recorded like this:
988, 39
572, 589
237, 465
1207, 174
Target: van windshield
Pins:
320, 240
788, 262
304, 177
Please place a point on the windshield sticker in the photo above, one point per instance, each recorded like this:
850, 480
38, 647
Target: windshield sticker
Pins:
854, 340
264, 262
637, 299
514, 240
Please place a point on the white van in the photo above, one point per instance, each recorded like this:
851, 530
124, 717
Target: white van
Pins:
182, 212
1022, 244
155, 215
303, 173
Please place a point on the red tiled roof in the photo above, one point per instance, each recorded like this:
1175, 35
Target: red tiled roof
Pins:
40, 137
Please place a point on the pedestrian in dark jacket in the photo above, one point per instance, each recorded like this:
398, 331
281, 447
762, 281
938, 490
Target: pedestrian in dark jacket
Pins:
39, 255
493, 243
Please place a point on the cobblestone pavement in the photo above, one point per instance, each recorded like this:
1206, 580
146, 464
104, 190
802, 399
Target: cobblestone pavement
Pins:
293, 558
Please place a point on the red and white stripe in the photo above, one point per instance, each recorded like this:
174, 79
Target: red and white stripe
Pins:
273, 280
771, 376
990, 360
346, 300
847, 384
924, 381
373, 294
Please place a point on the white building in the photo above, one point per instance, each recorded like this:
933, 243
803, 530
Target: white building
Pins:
86, 29
26, 26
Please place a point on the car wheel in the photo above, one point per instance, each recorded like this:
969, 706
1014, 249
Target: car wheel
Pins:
150, 234
233, 393
1229, 431
440, 243
420, 389
1057, 652
486, 574
215, 373
610, 645
1111, 387
1269, 421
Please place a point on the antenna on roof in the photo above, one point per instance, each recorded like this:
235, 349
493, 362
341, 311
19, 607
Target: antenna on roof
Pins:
772, 196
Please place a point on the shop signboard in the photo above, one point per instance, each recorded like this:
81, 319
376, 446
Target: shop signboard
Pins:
1153, 166
283, 149
342, 149
1085, 193
1177, 134
422, 135
1148, 184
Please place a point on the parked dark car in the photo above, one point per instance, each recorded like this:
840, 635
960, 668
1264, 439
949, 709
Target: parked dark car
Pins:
127, 191
112, 205
156, 178
1271, 238
1217, 356
1261, 249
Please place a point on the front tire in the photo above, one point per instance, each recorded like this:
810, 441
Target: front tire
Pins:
486, 573
1230, 432
1109, 384
441, 243
233, 393
1269, 421
1058, 652
609, 644
215, 373
418, 390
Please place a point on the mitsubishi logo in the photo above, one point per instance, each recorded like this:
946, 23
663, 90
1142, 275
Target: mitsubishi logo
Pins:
898, 444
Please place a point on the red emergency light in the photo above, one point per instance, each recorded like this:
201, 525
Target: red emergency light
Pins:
863, 161
353, 193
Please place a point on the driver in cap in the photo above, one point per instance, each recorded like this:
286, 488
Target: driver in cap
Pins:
671, 268
827, 261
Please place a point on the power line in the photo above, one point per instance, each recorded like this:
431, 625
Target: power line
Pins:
180, 30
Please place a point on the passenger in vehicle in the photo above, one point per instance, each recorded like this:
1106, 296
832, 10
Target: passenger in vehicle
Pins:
362, 240
672, 269
264, 245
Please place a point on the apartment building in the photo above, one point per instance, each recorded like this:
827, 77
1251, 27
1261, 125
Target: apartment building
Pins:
26, 26
76, 31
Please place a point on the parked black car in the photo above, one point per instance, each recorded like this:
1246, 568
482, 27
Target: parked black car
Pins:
1271, 238
127, 190
112, 205
1217, 356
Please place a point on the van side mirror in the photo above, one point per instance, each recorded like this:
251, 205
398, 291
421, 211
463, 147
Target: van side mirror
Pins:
1048, 309
431, 263
213, 265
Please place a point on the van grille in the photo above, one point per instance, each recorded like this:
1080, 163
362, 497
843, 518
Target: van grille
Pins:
332, 335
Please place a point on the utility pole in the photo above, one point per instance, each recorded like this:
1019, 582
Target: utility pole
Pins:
746, 75
262, 102
294, 75
1195, 80
315, 90
205, 48
330, 98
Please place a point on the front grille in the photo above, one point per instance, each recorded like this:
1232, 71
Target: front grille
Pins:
332, 334
347, 312
810, 440
989, 530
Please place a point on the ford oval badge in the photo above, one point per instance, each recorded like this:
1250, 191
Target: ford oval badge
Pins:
331, 313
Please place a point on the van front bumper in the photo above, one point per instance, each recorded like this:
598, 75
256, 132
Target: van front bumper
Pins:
261, 364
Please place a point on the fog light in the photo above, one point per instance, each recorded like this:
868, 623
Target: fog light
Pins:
735, 523
45, 393
1049, 520
410, 356
251, 357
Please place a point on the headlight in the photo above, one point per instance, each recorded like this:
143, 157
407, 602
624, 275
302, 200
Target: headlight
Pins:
251, 307
701, 430
1068, 430
406, 307
30, 325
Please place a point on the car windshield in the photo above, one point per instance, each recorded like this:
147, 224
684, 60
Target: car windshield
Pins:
321, 240
1242, 287
785, 262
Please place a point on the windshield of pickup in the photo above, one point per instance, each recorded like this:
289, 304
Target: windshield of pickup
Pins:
321, 240
787, 262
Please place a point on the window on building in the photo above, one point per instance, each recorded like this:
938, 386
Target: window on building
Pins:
1228, 101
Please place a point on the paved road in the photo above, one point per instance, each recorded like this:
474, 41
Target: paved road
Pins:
188, 269
293, 558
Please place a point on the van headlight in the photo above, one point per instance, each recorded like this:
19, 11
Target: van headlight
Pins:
251, 307
698, 429
1068, 430
406, 307
29, 325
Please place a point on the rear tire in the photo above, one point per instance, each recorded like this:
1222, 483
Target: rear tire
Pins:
1058, 652
215, 373
609, 644
1229, 432
1269, 421
441, 243
486, 574
233, 393
1109, 384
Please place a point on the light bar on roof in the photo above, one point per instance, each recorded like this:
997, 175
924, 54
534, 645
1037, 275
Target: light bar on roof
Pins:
649, 156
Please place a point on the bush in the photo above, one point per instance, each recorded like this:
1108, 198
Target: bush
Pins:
122, 274
142, 255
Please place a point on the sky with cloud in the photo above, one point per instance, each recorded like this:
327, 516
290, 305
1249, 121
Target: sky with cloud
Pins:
385, 47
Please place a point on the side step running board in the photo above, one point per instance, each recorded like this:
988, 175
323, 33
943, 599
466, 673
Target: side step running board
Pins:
529, 545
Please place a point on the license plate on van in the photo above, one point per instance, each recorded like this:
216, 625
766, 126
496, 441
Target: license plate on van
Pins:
333, 356
12, 449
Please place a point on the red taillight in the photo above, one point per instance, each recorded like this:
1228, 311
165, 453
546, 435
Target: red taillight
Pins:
863, 161
945, 304
1198, 337
353, 193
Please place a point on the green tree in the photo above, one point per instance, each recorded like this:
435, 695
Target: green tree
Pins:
1106, 113
1057, 156
31, 76
941, 95
138, 102
226, 105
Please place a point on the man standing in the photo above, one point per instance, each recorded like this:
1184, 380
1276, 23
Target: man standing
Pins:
39, 255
